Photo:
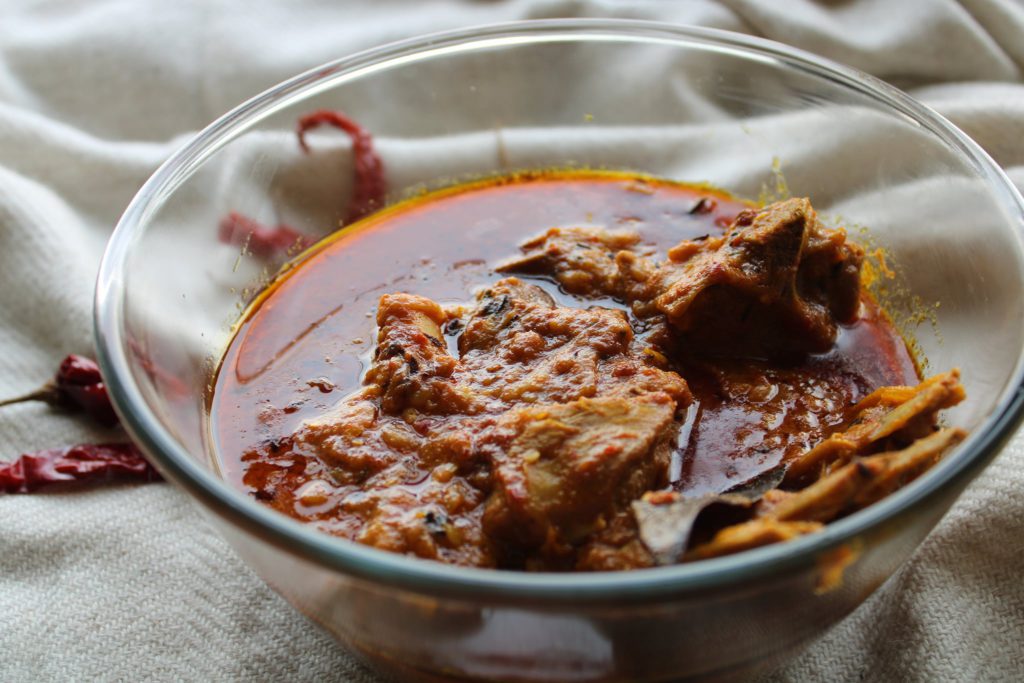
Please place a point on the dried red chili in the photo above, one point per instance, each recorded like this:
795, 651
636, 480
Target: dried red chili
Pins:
259, 239
368, 191
84, 462
369, 186
77, 386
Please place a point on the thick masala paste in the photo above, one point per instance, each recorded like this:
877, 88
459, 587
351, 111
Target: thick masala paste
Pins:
575, 371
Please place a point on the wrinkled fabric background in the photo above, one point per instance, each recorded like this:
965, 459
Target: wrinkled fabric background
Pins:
129, 583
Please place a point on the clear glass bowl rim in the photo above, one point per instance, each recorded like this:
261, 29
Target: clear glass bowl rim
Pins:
438, 579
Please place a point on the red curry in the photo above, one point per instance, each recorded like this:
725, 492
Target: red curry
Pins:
575, 370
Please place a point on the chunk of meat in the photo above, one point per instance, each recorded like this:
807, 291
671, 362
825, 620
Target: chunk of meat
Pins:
777, 281
590, 262
349, 438
756, 282
362, 480
581, 259
550, 421
439, 521
829, 271
498, 308
888, 418
412, 367
615, 547
521, 348
561, 470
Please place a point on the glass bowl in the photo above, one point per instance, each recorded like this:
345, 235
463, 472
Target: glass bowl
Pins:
685, 103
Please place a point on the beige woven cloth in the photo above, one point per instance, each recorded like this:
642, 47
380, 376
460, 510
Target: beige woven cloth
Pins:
129, 583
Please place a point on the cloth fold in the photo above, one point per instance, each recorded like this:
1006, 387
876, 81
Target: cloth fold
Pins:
129, 582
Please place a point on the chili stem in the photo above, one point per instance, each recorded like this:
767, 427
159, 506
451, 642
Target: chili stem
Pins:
47, 393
